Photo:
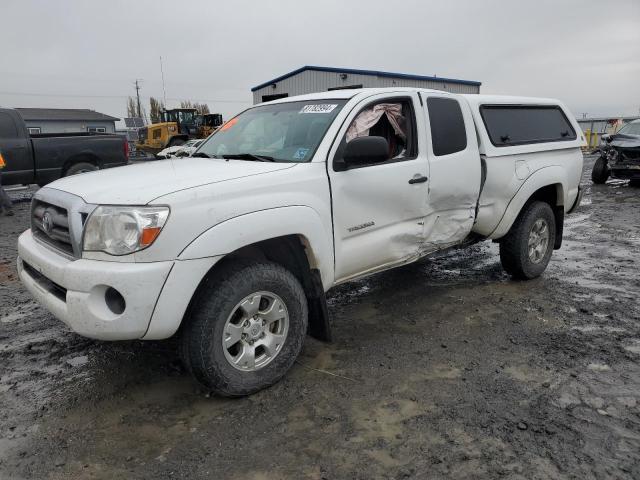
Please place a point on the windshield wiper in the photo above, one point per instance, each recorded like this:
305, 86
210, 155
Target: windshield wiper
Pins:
248, 156
202, 155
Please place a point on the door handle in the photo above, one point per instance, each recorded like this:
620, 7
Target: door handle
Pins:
418, 179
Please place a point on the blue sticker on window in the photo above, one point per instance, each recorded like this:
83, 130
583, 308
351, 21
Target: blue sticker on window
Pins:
300, 153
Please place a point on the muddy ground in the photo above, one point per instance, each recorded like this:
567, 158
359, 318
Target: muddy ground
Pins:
443, 369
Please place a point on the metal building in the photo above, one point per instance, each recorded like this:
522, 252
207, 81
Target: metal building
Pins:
310, 79
62, 120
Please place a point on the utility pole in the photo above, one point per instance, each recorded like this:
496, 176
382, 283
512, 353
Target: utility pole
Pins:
138, 96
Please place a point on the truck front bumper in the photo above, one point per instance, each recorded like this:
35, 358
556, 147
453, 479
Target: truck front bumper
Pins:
82, 293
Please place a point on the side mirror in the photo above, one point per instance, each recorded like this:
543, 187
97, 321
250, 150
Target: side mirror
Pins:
366, 151
606, 138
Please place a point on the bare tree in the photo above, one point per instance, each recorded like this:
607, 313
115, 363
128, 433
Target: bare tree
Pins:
131, 107
201, 108
155, 109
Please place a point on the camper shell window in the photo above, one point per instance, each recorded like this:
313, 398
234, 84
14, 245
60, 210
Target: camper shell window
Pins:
509, 125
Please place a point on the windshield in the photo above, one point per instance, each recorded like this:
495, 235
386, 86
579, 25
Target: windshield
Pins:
632, 128
285, 132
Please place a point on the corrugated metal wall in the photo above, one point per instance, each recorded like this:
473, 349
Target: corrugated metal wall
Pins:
314, 81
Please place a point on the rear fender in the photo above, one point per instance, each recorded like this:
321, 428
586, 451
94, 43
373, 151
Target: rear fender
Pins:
552, 175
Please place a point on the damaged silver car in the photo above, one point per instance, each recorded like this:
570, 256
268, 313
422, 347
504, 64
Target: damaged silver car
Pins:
620, 156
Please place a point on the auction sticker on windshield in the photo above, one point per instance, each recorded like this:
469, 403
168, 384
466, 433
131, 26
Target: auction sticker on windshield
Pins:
300, 153
319, 108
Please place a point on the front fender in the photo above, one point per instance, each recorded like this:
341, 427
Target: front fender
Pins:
551, 175
250, 228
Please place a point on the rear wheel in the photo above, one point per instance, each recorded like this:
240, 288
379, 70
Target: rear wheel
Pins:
80, 167
526, 250
246, 328
600, 172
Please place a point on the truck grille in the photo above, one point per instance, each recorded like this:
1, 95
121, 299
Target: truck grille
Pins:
50, 224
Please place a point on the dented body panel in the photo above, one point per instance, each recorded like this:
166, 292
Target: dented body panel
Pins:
350, 222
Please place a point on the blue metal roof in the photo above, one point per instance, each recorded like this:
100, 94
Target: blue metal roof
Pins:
365, 72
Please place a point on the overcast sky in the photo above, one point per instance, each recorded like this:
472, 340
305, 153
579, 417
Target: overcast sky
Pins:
86, 54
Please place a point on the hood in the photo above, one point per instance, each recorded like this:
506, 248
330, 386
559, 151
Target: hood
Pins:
140, 183
625, 141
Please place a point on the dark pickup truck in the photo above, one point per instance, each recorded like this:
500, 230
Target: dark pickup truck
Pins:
43, 158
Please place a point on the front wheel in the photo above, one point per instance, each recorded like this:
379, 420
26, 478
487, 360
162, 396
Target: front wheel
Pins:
246, 328
526, 250
600, 172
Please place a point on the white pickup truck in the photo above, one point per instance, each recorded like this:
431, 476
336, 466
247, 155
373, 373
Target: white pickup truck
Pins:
234, 248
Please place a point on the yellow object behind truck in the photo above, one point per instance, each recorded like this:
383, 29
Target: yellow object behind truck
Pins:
177, 126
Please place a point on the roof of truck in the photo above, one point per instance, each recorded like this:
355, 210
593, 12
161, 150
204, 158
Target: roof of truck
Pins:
508, 100
474, 99
350, 93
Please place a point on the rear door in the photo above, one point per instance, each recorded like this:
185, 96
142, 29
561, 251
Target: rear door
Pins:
455, 170
16, 150
378, 209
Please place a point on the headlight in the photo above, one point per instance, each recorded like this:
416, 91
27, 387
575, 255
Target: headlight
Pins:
122, 230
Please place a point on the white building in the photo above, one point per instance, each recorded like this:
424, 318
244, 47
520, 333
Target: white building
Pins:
309, 79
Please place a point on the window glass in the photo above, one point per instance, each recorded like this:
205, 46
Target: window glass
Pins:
509, 125
286, 132
448, 133
7, 126
393, 120
632, 128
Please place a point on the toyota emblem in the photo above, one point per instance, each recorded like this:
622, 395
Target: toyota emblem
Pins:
47, 222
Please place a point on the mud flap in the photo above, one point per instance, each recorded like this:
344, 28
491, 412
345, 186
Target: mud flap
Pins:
319, 322
558, 213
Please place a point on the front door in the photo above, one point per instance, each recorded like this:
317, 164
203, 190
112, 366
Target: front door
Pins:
378, 209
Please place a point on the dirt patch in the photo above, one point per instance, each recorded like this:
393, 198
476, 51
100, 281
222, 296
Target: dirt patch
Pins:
443, 369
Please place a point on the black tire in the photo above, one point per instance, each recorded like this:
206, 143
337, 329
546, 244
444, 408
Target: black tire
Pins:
202, 349
600, 172
80, 167
514, 247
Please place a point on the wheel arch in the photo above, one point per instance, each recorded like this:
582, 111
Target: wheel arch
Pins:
303, 250
79, 158
293, 252
548, 185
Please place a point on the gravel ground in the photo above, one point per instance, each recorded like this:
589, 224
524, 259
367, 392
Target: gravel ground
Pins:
442, 369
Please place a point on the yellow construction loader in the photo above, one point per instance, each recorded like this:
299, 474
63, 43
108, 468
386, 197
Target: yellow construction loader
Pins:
176, 127
208, 123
